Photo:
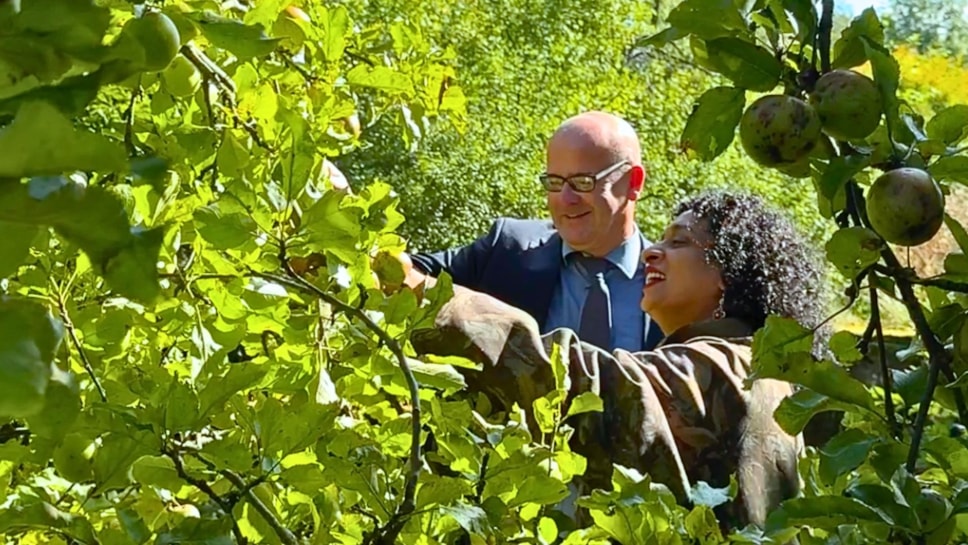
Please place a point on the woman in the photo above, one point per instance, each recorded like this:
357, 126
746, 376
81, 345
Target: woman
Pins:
679, 413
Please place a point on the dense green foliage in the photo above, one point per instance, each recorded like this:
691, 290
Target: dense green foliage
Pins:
526, 66
194, 345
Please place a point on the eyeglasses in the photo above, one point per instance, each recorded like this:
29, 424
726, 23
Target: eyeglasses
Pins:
582, 183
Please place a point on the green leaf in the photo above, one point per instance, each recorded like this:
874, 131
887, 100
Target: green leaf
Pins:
881, 499
662, 38
14, 245
958, 232
381, 78
586, 402
156, 471
853, 249
708, 19
843, 344
436, 375
805, 14
953, 168
333, 23
29, 337
224, 231
887, 75
712, 124
332, 227
243, 41
471, 518
822, 511
42, 141
708, 496
43, 515
749, 66
113, 459
845, 452
950, 125
839, 171
795, 412
95, 220
850, 50
133, 271
781, 350
62, 405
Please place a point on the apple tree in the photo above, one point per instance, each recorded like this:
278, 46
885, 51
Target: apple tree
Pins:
802, 103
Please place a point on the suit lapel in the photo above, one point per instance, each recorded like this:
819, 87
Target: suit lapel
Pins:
542, 268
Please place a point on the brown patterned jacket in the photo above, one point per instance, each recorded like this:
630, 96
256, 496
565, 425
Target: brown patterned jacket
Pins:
681, 413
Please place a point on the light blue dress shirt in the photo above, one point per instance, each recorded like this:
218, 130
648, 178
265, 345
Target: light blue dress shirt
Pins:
624, 281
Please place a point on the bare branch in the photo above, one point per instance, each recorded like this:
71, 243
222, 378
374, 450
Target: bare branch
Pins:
885, 370
224, 504
826, 27
284, 534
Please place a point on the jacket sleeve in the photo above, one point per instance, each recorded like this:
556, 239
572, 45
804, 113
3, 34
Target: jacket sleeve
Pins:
465, 264
720, 427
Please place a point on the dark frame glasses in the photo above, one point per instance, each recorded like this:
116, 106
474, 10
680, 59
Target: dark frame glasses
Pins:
581, 183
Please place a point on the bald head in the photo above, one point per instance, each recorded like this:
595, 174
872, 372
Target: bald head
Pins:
589, 144
600, 131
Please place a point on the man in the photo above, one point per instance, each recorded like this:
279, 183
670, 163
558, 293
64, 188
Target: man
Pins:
582, 270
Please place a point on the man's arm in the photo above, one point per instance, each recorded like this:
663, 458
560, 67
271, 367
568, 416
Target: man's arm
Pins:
465, 264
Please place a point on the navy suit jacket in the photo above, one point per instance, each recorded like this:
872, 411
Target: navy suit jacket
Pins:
518, 262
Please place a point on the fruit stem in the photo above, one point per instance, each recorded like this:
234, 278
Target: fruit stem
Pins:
826, 27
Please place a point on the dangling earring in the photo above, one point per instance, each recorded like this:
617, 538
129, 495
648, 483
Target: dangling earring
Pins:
719, 313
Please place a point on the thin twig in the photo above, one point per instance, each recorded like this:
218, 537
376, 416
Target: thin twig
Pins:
223, 503
72, 333
826, 27
211, 72
284, 534
129, 120
885, 370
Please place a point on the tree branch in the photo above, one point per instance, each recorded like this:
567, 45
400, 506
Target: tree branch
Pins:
395, 524
937, 355
212, 73
826, 27
285, 535
129, 120
886, 378
223, 503
72, 333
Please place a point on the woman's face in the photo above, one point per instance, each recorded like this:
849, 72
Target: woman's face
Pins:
680, 286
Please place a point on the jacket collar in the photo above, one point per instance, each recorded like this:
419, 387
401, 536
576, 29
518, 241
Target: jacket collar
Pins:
726, 328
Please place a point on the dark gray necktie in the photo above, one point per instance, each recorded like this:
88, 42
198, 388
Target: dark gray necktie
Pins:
596, 315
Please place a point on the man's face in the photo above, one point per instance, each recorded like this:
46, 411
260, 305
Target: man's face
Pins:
598, 221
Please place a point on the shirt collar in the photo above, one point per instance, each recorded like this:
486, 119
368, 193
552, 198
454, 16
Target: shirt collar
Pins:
626, 256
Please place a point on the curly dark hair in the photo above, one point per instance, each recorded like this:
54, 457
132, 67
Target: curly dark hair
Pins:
767, 266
